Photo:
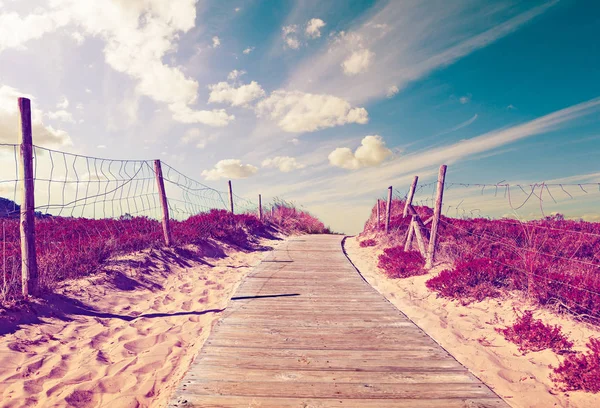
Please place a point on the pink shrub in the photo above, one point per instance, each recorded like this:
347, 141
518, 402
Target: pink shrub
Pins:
472, 280
533, 335
368, 243
400, 264
581, 371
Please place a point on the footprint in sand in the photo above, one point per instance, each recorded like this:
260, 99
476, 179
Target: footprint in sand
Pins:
82, 399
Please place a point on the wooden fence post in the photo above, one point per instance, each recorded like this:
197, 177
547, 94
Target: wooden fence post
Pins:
388, 210
29, 270
378, 215
260, 214
230, 196
411, 194
437, 211
163, 201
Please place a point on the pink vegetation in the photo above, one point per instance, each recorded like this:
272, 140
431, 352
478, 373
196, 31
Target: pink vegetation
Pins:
533, 335
73, 247
580, 371
399, 264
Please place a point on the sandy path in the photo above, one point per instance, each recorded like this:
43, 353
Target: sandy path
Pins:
467, 332
131, 339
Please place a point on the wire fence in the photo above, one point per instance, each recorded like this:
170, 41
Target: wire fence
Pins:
542, 235
89, 208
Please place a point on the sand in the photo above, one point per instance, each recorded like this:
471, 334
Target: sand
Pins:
467, 332
123, 337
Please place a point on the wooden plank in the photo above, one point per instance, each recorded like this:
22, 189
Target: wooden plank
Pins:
184, 399
409, 197
305, 330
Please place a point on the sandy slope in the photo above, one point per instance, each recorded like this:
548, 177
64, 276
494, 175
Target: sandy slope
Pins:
122, 338
467, 332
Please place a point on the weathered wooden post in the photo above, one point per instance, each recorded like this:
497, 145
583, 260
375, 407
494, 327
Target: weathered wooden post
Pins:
260, 214
411, 194
437, 211
230, 196
163, 201
388, 210
378, 215
29, 270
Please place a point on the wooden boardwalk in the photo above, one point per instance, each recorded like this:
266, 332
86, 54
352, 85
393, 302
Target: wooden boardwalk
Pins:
305, 330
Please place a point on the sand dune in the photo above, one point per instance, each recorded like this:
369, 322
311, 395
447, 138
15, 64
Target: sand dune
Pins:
122, 338
467, 332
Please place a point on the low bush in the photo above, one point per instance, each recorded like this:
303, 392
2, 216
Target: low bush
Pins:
472, 280
580, 371
400, 264
368, 243
533, 335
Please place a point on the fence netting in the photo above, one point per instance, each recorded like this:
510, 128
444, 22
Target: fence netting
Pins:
88, 209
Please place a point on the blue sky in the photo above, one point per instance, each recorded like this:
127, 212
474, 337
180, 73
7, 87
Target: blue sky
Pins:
280, 95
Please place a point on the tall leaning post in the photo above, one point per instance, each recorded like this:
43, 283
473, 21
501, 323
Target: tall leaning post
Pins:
230, 196
388, 211
378, 215
411, 194
437, 211
260, 214
29, 269
163, 201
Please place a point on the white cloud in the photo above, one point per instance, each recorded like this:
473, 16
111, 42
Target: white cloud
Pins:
101, 147
78, 37
235, 74
285, 164
372, 152
313, 27
297, 111
392, 91
358, 62
405, 52
63, 104
216, 117
196, 137
231, 169
216, 42
288, 33
465, 99
511, 107
248, 50
61, 115
224, 92
137, 36
43, 135
295, 141
237, 9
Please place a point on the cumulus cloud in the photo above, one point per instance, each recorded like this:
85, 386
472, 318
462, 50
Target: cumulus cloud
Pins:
61, 115
216, 42
44, 135
465, 99
358, 62
137, 36
289, 35
371, 152
63, 104
230, 169
313, 27
392, 91
235, 74
216, 117
297, 111
248, 50
223, 92
196, 137
285, 164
